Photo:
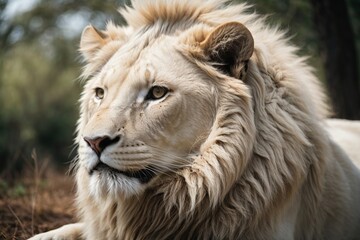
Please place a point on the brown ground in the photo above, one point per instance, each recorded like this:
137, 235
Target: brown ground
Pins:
35, 204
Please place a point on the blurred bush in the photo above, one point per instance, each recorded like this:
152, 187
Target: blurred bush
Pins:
39, 65
38, 97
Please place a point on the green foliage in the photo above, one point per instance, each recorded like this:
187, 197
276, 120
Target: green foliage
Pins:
38, 98
295, 18
3, 187
17, 190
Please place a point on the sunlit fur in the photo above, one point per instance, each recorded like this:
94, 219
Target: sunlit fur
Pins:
347, 134
259, 164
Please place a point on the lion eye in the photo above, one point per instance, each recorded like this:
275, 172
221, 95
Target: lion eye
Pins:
99, 93
156, 92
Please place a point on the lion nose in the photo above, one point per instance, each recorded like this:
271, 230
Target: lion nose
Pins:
98, 144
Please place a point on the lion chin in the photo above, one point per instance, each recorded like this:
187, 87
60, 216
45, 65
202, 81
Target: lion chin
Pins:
198, 121
106, 181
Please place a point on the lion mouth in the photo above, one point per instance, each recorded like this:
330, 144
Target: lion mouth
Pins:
143, 175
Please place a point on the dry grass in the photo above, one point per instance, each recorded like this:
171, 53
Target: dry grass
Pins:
37, 201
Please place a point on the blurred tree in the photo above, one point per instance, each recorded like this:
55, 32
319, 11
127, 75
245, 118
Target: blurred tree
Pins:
4, 31
333, 52
38, 69
294, 17
338, 46
38, 110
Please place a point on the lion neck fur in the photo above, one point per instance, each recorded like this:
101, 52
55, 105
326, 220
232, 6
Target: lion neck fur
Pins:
265, 148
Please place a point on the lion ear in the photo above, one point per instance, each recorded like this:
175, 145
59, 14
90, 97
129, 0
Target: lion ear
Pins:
229, 46
91, 41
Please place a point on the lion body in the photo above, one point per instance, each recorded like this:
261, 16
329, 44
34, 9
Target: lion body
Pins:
259, 163
347, 135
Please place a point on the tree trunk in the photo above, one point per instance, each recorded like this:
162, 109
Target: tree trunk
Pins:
338, 47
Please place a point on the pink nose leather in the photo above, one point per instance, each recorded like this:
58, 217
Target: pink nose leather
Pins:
98, 144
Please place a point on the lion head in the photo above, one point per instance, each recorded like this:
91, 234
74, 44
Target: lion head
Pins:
150, 109
193, 109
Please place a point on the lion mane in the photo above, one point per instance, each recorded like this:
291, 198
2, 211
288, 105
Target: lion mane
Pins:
266, 170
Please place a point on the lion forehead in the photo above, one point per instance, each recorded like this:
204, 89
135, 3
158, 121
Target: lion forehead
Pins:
140, 61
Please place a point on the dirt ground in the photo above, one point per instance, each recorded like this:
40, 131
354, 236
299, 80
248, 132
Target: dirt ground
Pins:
31, 205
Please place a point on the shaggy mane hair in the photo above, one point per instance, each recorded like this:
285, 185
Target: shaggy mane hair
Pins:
265, 149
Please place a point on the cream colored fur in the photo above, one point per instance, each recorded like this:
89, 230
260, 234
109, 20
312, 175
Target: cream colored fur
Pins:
347, 134
238, 145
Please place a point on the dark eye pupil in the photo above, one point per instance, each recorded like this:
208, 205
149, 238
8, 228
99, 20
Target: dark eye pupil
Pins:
99, 92
156, 92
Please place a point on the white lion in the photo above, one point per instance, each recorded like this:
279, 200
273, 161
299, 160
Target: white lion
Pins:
200, 122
